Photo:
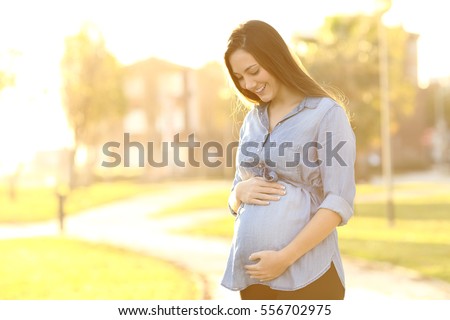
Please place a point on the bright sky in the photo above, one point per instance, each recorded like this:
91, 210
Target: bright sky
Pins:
185, 32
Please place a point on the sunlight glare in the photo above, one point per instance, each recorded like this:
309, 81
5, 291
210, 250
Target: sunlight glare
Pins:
189, 33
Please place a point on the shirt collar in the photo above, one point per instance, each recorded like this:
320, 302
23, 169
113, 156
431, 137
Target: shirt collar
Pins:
307, 102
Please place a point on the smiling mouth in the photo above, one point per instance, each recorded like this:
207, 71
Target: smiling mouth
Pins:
260, 89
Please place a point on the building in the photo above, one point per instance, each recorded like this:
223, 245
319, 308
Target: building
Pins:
176, 118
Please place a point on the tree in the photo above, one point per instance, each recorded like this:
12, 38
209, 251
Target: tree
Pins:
92, 89
345, 55
7, 79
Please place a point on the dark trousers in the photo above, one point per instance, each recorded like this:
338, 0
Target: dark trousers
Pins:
327, 287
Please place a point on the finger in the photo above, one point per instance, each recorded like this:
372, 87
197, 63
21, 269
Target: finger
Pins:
272, 198
256, 275
261, 182
269, 197
251, 267
272, 184
262, 278
253, 257
266, 279
280, 191
263, 194
271, 190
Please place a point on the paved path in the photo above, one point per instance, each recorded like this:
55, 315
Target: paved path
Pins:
128, 224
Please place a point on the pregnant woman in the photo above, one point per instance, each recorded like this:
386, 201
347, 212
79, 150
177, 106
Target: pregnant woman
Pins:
294, 181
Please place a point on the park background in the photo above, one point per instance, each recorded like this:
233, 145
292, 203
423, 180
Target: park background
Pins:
75, 76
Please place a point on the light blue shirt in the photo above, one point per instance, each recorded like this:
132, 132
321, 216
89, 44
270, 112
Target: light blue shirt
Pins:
311, 151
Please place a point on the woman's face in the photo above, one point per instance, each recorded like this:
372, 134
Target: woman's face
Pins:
253, 77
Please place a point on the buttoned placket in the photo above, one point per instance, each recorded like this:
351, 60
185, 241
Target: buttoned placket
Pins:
262, 168
264, 117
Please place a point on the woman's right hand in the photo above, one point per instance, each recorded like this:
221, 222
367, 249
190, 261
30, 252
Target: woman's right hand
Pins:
259, 191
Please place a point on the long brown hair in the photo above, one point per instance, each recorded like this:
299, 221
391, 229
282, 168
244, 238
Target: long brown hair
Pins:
271, 52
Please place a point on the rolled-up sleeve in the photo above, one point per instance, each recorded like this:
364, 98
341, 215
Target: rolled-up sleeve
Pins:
337, 153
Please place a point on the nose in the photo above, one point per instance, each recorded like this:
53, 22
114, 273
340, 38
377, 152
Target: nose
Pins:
250, 84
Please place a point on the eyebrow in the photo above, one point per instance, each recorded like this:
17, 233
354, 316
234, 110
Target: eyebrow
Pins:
246, 69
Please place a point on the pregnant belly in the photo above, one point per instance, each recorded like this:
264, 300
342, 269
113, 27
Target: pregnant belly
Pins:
273, 226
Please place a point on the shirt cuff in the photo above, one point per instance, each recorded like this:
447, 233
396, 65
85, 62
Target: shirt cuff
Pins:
339, 205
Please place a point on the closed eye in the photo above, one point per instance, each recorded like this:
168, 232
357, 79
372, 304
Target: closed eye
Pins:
252, 70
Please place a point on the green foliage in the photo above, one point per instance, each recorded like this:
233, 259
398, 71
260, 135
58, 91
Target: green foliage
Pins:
92, 85
92, 94
5, 80
345, 56
61, 268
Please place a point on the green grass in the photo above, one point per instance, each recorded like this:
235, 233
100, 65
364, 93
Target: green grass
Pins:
58, 268
40, 203
419, 240
210, 200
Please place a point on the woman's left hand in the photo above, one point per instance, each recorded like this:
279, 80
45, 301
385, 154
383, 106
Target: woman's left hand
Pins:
271, 265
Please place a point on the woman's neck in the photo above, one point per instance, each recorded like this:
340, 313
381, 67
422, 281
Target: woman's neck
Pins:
281, 106
285, 100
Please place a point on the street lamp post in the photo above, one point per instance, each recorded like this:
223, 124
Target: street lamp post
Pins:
383, 7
